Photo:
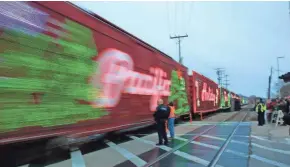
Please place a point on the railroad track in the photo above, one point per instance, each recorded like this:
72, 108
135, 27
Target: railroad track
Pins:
222, 149
58, 154
239, 115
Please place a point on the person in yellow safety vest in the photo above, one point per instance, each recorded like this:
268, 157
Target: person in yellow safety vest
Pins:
260, 109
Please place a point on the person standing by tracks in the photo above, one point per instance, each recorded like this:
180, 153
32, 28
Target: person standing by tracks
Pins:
161, 116
285, 109
260, 109
286, 117
171, 120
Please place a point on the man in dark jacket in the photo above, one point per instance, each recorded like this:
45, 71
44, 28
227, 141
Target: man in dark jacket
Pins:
287, 105
160, 116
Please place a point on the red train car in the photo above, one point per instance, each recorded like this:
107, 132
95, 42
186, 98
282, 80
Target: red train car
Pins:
67, 72
205, 94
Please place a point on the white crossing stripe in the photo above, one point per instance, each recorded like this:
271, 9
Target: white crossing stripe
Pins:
77, 159
270, 141
198, 143
206, 145
253, 144
223, 139
216, 123
237, 153
215, 147
192, 134
240, 142
259, 137
179, 153
150, 142
214, 137
275, 163
192, 158
271, 149
128, 155
179, 138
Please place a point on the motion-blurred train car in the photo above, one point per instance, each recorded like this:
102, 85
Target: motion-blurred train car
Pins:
67, 72
205, 94
244, 100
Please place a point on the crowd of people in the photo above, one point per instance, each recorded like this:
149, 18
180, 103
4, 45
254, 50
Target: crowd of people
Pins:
165, 115
265, 111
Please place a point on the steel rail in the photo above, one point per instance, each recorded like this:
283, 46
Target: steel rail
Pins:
185, 143
217, 156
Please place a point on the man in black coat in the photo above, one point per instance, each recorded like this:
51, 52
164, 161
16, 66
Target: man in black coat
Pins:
286, 117
287, 105
160, 116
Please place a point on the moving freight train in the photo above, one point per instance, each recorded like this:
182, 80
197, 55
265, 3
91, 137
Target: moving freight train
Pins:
67, 72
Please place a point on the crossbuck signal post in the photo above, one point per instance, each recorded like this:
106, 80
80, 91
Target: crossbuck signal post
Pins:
179, 47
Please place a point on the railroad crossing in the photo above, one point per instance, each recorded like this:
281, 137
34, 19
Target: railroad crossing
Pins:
232, 140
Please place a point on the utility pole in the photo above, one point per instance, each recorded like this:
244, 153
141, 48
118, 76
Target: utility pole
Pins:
179, 47
226, 81
219, 72
270, 80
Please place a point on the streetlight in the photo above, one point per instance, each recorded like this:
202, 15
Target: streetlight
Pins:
278, 69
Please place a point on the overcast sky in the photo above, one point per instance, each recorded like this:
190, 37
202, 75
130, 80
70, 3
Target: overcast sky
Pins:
242, 37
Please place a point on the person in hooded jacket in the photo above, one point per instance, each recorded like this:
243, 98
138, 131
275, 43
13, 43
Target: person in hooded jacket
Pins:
161, 116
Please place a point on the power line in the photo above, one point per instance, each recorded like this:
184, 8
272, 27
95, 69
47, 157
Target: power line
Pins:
189, 18
182, 17
178, 21
168, 18
276, 70
175, 13
179, 47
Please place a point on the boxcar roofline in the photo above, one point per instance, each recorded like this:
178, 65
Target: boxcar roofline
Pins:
203, 76
143, 43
